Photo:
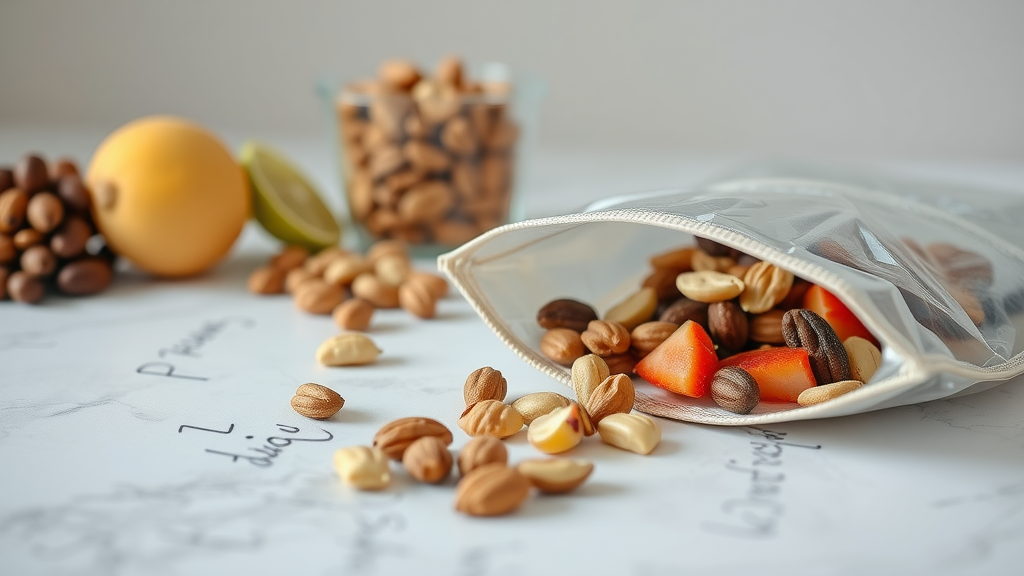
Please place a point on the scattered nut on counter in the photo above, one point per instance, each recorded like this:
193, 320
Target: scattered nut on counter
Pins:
316, 401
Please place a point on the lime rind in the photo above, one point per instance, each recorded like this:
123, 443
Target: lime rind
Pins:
284, 201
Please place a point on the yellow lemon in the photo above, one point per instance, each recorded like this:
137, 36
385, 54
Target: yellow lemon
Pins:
168, 195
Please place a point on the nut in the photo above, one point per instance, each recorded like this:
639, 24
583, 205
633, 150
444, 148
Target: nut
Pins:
621, 363
650, 335
562, 345
557, 431
38, 261
353, 314
537, 404
712, 248
368, 287
556, 475
363, 468
63, 167
44, 212
295, 277
266, 280
289, 258
865, 358
702, 261
23, 287
685, 309
398, 74
426, 202
566, 313
635, 310
8, 251
395, 436
728, 325
481, 451
417, 299
319, 262
318, 297
428, 459
383, 248
4, 275
766, 328
73, 193
426, 158
70, 239
819, 394
392, 269
484, 384
804, 329
663, 282
30, 174
316, 401
490, 418
680, 259
765, 285
605, 337
26, 238
438, 286
588, 372
615, 394
352, 349
709, 286
491, 490
13, 203
449, 71
634, 432
85, 276
961, 265
343, 270
734, 389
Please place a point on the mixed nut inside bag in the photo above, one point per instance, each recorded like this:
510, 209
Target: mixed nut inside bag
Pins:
757, 301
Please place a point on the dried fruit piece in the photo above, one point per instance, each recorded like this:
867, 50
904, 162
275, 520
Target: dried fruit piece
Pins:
865, 358
484, 384
634, 310
491, 490
781, 373
481, 451
709, 286
839, 317
395, 436
557, 431
634, 432
556, 475
685, 363
316, 401
490, 418
537, 404
805, 329
352, 349
363, 468
734, 389
820, 394
428, 459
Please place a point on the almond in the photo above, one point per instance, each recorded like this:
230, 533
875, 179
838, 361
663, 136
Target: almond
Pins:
395, 436
491, 490
480, 451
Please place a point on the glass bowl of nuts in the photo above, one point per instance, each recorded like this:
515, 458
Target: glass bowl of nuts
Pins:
432, 160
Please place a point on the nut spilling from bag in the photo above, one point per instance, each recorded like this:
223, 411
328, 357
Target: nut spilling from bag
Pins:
710, 320
427, 159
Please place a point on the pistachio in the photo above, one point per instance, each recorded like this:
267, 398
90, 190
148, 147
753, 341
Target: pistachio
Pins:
537, 404
352, 349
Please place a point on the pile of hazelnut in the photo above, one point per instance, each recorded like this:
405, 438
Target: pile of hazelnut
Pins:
48, 239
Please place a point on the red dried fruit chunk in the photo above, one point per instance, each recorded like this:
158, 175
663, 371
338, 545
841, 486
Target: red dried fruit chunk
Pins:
781, 373
685, 363
838, 316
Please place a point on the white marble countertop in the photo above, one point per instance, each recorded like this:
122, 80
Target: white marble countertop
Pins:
100, 477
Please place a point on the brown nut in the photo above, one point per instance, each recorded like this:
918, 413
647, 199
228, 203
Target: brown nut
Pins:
31, 174
663, 282
426, 202
295, 277
266, 280
395, 436
712, 248
289, 258
318, 297
491, 490
484, 384
437, 285
650, 335
766, 328
70, 239
428, 460
566, 313
704, 262
8, 251
679, 260
368, 287
562, 345
5, 273
27, 237
85, 276
481, 451
615, 395
621, 363
490, 418
392, 269
6, 179
735, 390
316, 401
765, 285
804, 329
685, 309
344, 269
426, 158
13, 203
38, 261
458, 138
63, 167
73, 193
382, 248
588, 372
317, 263
44, 212
728, 325
556, 475
24, 287
400, 75
353, 314
417, 299
537, 404
605, 338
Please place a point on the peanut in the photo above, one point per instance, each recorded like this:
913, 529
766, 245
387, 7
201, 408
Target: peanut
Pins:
351, 349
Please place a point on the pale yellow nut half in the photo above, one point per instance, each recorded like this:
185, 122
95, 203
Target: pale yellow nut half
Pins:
557, 431
634, 432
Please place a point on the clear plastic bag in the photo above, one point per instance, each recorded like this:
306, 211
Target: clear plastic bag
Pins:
930, 272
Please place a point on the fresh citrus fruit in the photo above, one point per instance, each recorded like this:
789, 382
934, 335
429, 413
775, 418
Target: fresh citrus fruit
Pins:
285, 203
168, 195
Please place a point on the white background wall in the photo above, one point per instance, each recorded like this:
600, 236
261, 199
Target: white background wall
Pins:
877, 79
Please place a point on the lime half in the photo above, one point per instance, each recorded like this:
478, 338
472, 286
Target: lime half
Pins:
284, 202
